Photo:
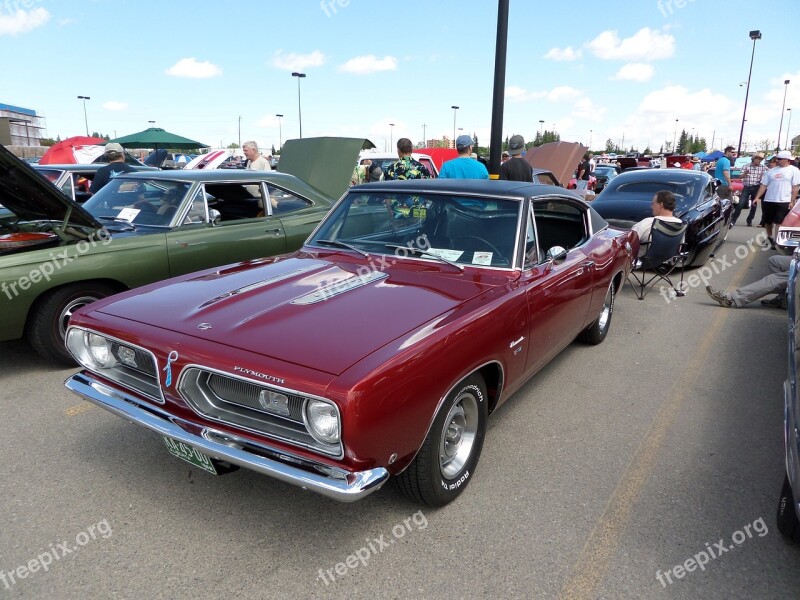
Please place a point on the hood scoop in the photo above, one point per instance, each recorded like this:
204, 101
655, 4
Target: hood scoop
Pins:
338, 287
259, 284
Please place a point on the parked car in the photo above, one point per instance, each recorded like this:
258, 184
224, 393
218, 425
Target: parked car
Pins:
626, 200
789, 501
603, 174
56, 255
386, 159
379, 349
76, 180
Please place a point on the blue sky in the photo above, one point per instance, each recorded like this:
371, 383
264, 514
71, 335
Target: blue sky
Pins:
591, 71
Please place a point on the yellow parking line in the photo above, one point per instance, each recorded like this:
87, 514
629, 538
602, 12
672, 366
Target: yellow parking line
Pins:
74, 411
598, 551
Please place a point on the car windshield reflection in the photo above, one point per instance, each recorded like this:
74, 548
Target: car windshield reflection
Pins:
459, 229
138, 201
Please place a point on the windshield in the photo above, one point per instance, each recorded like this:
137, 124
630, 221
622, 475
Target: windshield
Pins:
460, 229
138, 201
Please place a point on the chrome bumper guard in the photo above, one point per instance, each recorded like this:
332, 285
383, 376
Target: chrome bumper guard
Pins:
347, 488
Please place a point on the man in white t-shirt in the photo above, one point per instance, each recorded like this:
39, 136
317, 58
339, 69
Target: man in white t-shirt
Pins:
255, 162
662, 205
779, 187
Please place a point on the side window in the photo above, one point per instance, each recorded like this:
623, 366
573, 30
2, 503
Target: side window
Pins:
283, 201
546, 179
197, 213
68, 187
560, 223
533, 254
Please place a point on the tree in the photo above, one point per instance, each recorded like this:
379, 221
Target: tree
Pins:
47, 141
232, 146
610, 146
683, 142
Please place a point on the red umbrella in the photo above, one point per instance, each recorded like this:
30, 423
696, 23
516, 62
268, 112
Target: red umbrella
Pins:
73, 151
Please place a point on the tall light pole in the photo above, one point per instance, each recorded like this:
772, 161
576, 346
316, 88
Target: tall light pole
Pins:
85, 118
391, 135
541, 125
675, 137
788, 126
151, 123
590, 139
240, 131
754, 35
280, 133
299, 111
780, 127
424, 136
455, 108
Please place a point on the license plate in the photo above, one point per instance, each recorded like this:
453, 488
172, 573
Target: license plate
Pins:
190, 454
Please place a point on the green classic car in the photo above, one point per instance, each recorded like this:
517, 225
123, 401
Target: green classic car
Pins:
56, 255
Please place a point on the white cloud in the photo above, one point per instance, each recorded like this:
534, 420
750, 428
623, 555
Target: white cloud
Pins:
563, 54
115, 106
586, 109
191, 68
676, 99
364, 65
634, 72
646, 44
22, 21
297, 62
563, 93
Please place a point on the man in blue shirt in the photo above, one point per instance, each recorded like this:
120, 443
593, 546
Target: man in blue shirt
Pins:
723, 171
463, 167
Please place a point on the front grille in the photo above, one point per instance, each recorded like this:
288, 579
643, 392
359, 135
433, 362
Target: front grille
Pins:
274, 412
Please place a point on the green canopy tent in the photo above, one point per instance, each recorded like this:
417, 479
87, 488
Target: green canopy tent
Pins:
156, 138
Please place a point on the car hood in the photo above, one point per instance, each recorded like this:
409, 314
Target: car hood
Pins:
31, 197
560, 158
314, 312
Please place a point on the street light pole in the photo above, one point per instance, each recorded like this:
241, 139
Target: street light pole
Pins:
675, 137
152, 123
424, 136
455, 108
590, 139
541, 124
780, 127
85, 118
299, 110
788, 126
280, 133
391, 135
240, 131
754, 35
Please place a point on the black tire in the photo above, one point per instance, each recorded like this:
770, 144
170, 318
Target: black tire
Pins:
445, 464
47, 322
788, 523
598, 330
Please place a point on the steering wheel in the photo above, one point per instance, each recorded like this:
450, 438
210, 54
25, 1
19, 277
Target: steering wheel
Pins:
144, 206
483, 244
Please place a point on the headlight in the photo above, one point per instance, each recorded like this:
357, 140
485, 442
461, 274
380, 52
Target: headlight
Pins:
100, 350
95, 351
322, 420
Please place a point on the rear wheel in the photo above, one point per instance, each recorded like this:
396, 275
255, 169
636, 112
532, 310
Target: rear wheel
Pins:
597, 331
47, 324
448, 456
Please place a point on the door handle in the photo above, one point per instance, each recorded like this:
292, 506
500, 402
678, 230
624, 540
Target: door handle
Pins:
277, 231
588, 263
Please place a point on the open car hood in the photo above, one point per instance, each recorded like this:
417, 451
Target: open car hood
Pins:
324, 163
317, 313
560, 158
31, 197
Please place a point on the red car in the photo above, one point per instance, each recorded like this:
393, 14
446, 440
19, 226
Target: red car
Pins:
413, 311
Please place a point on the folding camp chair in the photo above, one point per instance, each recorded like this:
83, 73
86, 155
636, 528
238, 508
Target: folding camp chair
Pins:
665, 252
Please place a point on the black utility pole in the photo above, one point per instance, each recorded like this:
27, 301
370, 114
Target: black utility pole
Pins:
498, 99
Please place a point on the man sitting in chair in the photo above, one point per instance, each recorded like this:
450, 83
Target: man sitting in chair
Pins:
662, 205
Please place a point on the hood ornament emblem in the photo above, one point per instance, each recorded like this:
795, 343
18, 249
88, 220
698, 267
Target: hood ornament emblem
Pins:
204, 326
171, 358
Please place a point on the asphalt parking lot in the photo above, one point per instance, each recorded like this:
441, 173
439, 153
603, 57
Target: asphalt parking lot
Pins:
661, 447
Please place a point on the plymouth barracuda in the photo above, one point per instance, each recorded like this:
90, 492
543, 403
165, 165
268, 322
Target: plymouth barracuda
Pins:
379, 349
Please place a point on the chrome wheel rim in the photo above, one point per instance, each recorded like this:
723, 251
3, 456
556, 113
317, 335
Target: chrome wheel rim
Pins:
69, 309
458, 435
608, 308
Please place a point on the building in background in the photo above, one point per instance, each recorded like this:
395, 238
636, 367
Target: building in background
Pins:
20, 127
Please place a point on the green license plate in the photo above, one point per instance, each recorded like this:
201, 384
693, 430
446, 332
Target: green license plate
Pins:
190, 454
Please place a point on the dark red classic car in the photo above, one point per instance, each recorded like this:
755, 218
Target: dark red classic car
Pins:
413, 311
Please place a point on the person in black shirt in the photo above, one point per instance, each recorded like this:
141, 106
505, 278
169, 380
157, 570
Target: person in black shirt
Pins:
584, 172
516, 168
116, 166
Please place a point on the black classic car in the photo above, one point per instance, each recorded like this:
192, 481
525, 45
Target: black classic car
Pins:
626, 201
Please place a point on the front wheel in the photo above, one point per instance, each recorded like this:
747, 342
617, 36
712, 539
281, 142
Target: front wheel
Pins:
47, 324
598, 330
447, 459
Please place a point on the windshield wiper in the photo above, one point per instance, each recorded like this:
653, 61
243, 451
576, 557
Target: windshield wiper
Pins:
415, 250
118, 220
339, 244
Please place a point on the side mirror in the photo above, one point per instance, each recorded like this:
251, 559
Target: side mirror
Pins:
556, 255
214, 216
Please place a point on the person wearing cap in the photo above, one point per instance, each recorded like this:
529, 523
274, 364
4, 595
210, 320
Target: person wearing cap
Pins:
505, 156
463, 167
115, 155
696, 164
516, 168
779, 187
752, 174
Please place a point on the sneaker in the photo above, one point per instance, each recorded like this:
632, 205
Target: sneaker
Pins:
749, 223
719, 297
775, 302
733, 223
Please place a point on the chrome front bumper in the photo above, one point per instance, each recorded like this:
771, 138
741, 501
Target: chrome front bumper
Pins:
341, 485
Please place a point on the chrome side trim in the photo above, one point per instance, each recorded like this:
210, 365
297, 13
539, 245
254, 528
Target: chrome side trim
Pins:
350, 487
